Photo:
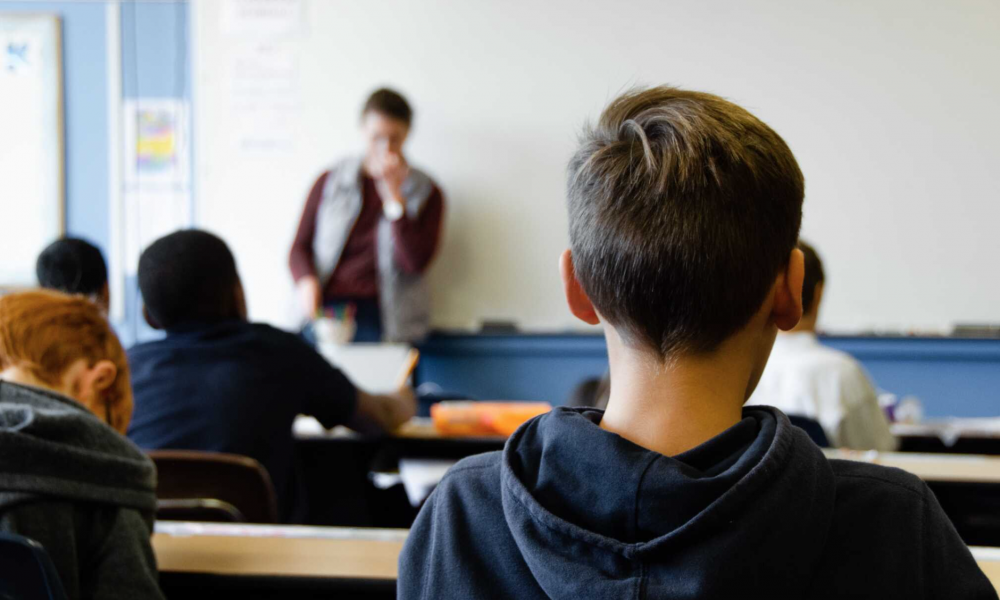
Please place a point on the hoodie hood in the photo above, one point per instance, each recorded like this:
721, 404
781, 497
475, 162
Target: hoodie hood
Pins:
52, 446
595, 515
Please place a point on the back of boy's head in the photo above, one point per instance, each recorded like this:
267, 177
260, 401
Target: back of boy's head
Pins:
814, 276
188, 277
73, 266
45, 332
683, 208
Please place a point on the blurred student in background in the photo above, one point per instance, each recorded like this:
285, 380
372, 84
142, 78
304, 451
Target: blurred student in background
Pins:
220, 383
68, 477
74, 266
369, 230
806, 378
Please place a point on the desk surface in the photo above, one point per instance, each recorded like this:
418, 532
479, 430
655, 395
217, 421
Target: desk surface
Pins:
950, 430
261, 550
989, 561
319, 552
931, 467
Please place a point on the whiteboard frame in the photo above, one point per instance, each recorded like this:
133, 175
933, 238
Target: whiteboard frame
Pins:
51, 26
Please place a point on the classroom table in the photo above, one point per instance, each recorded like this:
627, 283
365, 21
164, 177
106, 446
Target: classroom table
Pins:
950, 436
203, 560
210, 560
989, 561
338, 468
957, 468
966, 486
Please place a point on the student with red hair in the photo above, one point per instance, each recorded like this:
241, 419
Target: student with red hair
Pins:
69, 479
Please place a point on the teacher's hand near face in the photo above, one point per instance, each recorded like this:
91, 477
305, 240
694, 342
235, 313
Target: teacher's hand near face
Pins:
392, 172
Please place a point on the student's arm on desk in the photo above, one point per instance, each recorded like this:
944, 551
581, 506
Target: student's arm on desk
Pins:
334, 400
377, 413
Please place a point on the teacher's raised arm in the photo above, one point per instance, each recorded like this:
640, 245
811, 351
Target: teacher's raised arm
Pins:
369, 229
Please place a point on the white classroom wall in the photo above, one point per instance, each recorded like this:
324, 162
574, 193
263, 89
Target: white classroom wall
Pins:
889, 106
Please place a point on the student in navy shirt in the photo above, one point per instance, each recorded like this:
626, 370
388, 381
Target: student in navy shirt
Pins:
219, 383
684, 211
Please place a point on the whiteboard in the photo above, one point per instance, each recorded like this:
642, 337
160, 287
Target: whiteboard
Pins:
889, 107
31, 143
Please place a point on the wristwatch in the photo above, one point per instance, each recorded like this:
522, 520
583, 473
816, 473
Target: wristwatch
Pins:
392, 210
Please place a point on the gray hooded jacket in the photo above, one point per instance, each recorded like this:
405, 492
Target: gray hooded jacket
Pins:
404, 298
80, 489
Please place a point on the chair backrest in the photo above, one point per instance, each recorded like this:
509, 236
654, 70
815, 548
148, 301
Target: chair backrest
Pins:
212, 486
812, 428
26, 571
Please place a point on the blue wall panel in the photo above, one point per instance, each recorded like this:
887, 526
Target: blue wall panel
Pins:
952, 377
155, 63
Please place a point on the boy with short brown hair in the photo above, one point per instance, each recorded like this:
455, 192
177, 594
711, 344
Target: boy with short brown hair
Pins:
684, 213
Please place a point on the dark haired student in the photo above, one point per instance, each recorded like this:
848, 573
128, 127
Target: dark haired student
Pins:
220, 383
74, 266
684, 211
369, 230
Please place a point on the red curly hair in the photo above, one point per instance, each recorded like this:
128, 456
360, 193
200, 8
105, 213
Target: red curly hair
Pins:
45, 332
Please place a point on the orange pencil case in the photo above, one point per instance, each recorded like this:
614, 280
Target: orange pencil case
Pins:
484, 418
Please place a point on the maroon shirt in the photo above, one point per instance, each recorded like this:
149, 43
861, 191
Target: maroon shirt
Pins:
356, 275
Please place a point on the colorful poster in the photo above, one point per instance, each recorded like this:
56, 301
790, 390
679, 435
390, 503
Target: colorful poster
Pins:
157, 144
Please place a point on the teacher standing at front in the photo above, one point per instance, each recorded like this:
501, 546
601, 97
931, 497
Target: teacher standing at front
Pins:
369, 230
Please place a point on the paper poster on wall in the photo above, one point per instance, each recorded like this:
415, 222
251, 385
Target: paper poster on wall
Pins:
31, 144
265, 98
262, 17
157, 143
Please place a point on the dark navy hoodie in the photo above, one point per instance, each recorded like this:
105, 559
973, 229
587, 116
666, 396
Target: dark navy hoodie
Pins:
570, 511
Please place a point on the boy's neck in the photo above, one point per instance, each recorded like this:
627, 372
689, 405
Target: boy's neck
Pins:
671, 407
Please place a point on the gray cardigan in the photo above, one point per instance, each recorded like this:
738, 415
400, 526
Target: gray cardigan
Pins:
81, 490
404, 298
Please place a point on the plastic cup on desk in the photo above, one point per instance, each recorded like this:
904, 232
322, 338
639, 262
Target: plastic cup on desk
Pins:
334, 331
909, 410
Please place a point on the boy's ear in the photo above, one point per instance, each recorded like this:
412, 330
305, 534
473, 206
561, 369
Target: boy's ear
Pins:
102, 375
787, 309
149, 318
576, 298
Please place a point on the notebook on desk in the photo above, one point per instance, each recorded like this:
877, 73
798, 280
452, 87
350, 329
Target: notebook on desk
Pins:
375, 368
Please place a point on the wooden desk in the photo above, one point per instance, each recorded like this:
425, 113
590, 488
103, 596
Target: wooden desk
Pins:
268, 561
335, 467
931, 467
952, 436
277, 560
967, 487
989, 561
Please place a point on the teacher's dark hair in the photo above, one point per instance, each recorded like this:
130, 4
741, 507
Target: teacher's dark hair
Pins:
389, 103
189, 276
683, 208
